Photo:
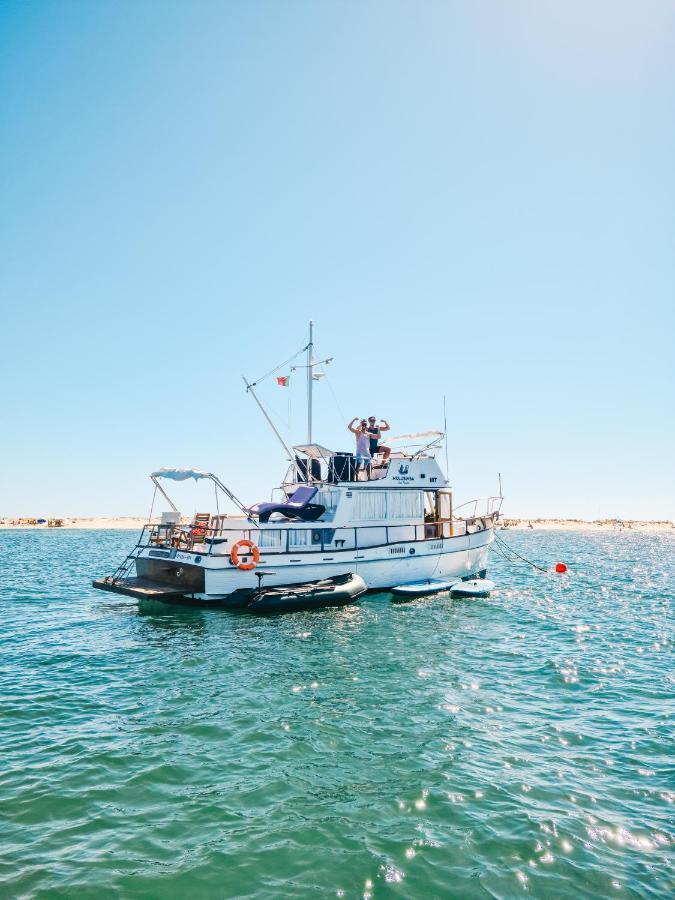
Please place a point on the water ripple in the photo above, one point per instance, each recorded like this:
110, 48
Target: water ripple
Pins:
492, 748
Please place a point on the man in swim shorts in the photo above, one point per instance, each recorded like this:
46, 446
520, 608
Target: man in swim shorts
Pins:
375, 432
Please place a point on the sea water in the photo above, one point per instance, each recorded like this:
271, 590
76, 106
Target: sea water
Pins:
520, 745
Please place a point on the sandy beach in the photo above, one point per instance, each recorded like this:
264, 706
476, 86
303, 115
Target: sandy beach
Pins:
508, 524
85, 522
505, 524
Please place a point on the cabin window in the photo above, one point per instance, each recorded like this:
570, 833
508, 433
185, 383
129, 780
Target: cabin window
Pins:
370, 505
444, 501
387, 505
271, 538
300, 538
404, 504
329, 499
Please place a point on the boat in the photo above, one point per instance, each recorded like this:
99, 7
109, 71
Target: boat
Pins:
337, 591
392, 523
420, 588
473, 587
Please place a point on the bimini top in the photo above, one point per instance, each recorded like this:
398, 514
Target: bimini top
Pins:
180, 474
184, 474
427, 435
314, 451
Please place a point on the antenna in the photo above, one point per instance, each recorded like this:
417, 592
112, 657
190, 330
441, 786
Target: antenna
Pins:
445, 429
310, 379
311, 365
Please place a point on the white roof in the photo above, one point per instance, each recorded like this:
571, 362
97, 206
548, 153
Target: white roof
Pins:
315, 451
426, 435
180, 474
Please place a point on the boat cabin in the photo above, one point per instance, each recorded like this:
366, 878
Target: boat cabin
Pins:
325, 504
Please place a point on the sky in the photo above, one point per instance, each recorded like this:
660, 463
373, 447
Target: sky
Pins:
470, 200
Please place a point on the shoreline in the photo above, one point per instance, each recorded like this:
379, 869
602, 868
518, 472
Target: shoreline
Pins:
106, 523
97, 523
509, 524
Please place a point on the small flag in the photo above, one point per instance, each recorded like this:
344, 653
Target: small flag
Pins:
282, 380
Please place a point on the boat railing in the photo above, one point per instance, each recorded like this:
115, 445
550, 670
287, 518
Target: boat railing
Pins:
481, 506
217, 539
321, 476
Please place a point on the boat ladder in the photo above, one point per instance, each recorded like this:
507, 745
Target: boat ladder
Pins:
123, 569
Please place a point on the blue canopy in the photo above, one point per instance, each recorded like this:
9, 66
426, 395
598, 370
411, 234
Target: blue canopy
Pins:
180, 474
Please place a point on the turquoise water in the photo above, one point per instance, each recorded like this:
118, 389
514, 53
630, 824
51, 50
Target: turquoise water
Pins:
515, 746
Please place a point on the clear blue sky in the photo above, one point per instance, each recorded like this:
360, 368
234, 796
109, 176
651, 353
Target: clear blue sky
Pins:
470, 199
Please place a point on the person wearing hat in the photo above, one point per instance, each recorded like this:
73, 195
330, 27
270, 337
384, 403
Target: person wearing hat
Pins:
375, 431
363, 458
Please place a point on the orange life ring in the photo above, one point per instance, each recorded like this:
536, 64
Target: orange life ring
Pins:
234, 556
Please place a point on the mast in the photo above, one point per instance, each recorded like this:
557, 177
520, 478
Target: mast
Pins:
310, 348
445, 428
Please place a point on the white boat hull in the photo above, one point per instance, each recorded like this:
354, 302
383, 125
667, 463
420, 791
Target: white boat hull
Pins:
381, 567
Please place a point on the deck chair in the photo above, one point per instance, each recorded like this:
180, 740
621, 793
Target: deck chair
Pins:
200, 527
297, 506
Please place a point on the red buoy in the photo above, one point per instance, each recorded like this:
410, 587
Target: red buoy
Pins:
560, 568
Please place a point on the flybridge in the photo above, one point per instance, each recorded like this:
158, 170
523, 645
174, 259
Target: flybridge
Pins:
312, 462
317, 465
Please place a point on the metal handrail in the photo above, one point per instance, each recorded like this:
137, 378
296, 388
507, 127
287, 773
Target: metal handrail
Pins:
180, 538
289, 481
490, 506
176, 534
174, 530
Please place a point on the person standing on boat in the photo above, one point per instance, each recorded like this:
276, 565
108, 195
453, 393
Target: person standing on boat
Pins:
363, 458
376, 436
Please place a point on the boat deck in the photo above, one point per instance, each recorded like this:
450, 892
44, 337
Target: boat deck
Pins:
141, 588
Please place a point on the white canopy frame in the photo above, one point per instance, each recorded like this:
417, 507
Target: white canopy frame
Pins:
315, 451
417, 436
425, 440
184, 475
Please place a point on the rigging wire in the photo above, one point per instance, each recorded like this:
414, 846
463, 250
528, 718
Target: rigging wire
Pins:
328, 381
289, 409
445, 429
290, 412
343, 417
280, 366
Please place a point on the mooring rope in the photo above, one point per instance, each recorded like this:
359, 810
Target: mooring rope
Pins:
501, 546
